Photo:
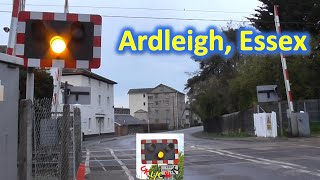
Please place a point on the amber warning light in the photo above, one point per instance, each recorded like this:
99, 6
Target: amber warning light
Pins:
57, 44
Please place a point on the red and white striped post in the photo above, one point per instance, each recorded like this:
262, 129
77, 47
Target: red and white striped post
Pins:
13, 26
283, 61
58, 74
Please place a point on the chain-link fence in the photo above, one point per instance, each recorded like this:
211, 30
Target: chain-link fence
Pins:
56, 142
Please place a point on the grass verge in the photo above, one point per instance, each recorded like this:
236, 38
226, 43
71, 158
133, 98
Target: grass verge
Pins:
315, 128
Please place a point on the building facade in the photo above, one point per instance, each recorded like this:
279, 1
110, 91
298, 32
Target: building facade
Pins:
138, 99
98, 117
163, 105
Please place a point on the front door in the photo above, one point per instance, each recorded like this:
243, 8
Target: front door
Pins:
100, 124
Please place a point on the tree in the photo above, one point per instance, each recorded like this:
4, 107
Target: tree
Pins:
223, 86
43, 84
295, 15
209, 87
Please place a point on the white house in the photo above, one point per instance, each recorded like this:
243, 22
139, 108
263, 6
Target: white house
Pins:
98, 117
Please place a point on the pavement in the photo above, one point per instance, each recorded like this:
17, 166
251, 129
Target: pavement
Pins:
208, 159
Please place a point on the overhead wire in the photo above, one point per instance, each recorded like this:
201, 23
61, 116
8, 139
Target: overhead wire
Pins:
175, 18
137, 8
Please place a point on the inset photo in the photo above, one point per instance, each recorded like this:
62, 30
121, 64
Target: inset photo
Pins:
160, 156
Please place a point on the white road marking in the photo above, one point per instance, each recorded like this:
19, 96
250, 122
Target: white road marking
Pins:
238, 157
124, 150
286, 165
97, 151
304, 171
267, 160
123, 166
310, 146
87, 162
100, 164
110, 160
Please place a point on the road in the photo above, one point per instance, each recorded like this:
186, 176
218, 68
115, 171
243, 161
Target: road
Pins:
207, 159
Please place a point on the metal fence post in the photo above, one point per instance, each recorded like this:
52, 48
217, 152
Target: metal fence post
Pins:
73, 150
25, 140
280, 118
64, 143
76, 139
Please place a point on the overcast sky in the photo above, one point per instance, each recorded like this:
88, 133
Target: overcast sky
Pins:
140, 71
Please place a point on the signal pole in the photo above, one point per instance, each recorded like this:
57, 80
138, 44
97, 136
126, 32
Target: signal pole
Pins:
66, 6
57, 75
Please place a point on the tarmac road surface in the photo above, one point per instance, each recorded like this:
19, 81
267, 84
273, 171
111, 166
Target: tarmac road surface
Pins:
207, 159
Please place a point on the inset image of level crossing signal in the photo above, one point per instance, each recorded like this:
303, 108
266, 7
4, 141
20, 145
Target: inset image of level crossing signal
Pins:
64, 40
159, 155
160, 151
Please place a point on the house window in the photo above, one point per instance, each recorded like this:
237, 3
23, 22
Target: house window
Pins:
156, 102
168, 120
89, 123
166, 102
108, 100
150, 105
144, 103
144, 95
150, 97
99, 100
157, 111
168, 111
156, 96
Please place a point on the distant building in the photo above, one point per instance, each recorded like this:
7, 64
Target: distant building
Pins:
141, 114
121, 111
126, 124
138, 99
98, 117
160, 105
